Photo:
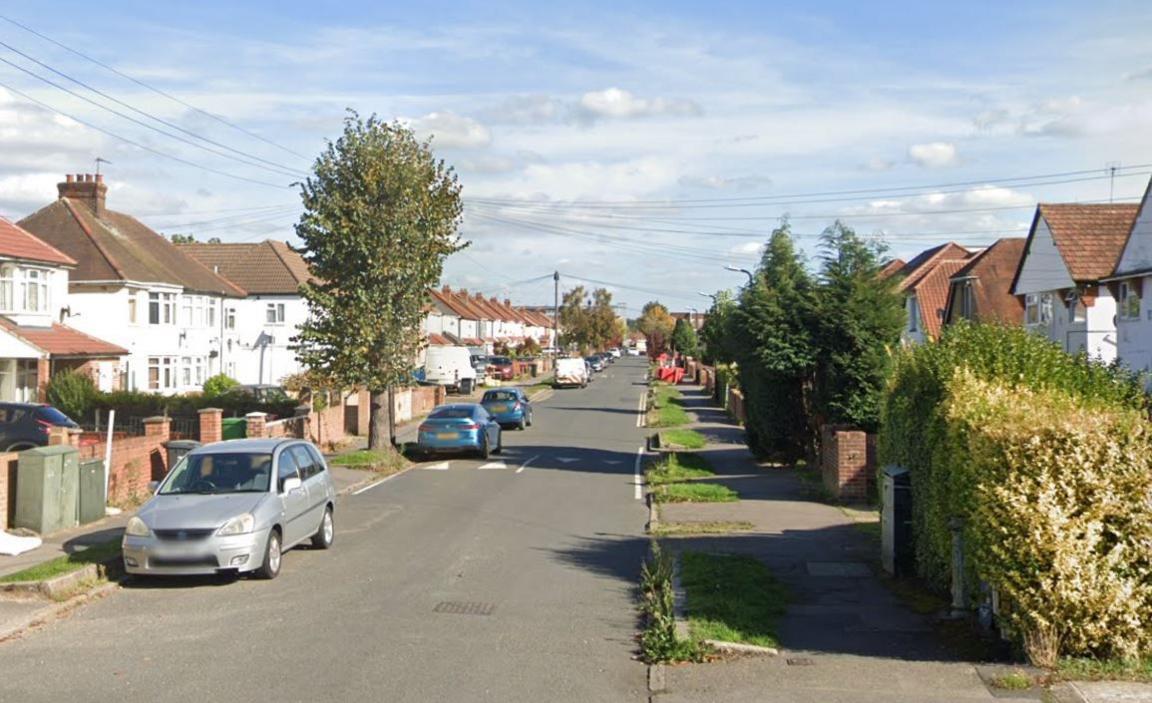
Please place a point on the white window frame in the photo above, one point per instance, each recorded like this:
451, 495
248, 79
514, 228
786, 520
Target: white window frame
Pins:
913, 314
274, 313
230, 318
165, 304
165, 367
1037, 309
25, 289
1129, 308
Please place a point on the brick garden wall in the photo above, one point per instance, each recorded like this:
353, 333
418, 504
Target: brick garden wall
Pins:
7, 487
848, 462
735, 405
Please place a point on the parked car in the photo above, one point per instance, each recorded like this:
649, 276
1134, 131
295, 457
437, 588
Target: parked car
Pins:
501, 367
459, 427
615, 352
26, 425
233, 507
571, 372
634, 352
508, 406
450, 367
596, 363
263, 392
480, 364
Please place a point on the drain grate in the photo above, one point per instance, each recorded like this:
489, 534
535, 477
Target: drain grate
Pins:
799, 661
464, 608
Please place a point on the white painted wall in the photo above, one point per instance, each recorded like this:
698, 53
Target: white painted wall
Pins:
1044, 269
1096, 334
255, 349
1134, 337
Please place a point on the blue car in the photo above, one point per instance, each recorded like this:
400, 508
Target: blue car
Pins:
509, 407
460, 427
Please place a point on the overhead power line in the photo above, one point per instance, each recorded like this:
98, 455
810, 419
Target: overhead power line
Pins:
152, 88
126, 140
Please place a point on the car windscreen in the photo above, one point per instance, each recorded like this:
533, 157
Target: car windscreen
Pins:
50, 414
220, 473
451, 414
498, 396
499, 360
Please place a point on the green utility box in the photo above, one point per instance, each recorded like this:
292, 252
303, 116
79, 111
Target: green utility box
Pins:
47, 488
92, 499
233, 428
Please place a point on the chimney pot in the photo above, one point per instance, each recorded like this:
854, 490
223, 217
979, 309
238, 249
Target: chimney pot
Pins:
99, 177
83, 187
87, 177
69, 178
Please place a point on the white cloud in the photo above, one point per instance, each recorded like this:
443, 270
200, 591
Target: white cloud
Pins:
619, 103
451, 131
747, 249
933, 155
725, 182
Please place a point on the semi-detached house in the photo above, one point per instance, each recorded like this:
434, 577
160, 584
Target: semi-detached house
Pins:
1071, 249
1130, 283
134, 288
34, 344
924, 283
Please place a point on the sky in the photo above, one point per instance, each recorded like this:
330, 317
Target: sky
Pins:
639, 146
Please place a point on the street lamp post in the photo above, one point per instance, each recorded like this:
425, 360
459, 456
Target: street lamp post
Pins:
746, 272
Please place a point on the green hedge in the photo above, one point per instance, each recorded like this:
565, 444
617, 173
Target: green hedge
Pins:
141, 404
914, 430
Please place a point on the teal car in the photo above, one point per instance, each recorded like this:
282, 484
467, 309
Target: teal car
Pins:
460, 427
508, 406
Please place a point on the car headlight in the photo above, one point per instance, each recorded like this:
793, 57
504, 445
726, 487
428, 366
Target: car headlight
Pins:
238, 525
137, 528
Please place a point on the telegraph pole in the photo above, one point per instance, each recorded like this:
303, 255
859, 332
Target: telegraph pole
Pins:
556, 309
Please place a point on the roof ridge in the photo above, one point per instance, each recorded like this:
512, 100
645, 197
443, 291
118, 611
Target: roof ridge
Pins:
243, 293
271, 244
68, 205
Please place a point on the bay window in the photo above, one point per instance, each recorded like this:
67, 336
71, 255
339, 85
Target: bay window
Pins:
24, 289
161, 308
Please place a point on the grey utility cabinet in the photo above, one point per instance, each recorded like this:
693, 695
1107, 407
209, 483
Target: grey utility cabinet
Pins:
47, 488
91, 499
896, 547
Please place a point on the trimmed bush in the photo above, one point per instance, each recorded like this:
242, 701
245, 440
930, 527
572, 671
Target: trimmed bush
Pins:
914, 428
1055, 494
218, 385
72, 393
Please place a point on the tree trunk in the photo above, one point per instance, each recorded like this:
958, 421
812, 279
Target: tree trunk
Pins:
379, 415
391, 417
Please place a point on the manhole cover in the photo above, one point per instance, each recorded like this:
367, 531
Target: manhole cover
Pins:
799, 661
846, 569
464, 608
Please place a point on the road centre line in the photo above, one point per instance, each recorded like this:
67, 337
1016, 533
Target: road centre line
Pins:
370, 486
638, 482
527, 461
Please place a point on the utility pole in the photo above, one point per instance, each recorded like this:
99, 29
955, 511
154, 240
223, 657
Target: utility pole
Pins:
556, 309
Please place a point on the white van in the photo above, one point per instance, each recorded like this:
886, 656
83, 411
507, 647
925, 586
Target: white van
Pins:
571, 372
450, 367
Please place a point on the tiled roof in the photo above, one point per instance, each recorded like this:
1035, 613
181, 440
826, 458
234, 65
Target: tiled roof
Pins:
931, 292
923, 263
991, 273
892, 268
439, 340
263, 268
19, 243
117, 247
1090, 238
62, 341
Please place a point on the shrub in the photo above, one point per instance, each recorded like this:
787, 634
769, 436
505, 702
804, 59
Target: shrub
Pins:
72, 393
1055, 495
914, 429
218, 385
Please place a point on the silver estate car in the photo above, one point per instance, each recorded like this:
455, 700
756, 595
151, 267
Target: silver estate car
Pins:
232, 507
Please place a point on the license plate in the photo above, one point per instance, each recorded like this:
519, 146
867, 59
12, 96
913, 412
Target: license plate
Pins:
178, 551
500, 408
447, 435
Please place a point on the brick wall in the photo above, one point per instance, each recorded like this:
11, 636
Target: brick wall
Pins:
848, 462
136, 461
7, 487
735, 405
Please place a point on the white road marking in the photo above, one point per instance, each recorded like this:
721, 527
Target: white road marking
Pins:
566, 459
442, 466
638, 482
370, 486
612, 462
494, 465
641, 416
527, 462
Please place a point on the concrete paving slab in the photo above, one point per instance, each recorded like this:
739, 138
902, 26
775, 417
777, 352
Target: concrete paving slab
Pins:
1113, 691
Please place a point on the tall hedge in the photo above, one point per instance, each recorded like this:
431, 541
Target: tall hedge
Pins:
914, 428
1055, 492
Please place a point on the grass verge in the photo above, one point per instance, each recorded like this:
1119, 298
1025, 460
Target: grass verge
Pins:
675, 467
666, 410
382, 461
1077, 669
718, 527
688, 439
658, 640
731, 598
96, 554
695, 493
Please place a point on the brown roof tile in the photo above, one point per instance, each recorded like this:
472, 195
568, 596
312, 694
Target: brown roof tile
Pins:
991, 273
262, 268
924, 263
19, 243
119, 247
1090, 238
61, 340
931, 290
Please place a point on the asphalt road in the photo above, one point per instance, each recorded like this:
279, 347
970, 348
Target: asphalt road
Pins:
447, 583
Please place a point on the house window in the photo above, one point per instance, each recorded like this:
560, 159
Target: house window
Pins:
210, 312
1038, 309
1077, 311
35, 286
161, 308
161, 373
23, 289
1129, 302
186, 310
186, 371
913, 314
198, 371
967, 302
274, 313
131, 309
230, 318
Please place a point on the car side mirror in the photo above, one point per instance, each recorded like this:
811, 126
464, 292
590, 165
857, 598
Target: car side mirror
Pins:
290, 484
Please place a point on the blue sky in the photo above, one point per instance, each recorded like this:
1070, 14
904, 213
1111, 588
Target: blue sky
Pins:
619, 142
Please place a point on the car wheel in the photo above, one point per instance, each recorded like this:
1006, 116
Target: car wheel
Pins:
523, 424
327, 533
273, 555
484, 453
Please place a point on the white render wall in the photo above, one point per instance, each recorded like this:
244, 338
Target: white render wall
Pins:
256, 350
1044, 269
1096, 334
1135, 336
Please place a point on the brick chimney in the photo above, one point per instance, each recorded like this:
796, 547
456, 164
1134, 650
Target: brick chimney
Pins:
85, 188
507, 303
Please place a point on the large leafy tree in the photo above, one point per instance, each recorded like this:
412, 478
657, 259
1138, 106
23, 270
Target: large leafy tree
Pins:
684, 338
656, 324
380, 216
857, 326
588, 322
715, 333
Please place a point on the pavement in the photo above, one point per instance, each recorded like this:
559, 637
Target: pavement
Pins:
458, 580
844, 637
